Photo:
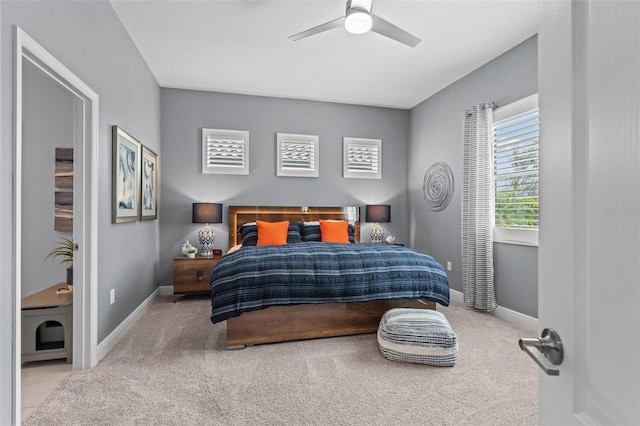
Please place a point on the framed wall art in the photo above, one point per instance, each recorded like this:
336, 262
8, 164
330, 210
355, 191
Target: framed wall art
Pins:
63, 200
362, 158
149, 190
64, 168
126, 177
297, 155
225, 151
63, 212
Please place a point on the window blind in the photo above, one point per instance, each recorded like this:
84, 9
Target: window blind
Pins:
516, 165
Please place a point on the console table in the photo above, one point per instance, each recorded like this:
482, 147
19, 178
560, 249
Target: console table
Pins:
47, 325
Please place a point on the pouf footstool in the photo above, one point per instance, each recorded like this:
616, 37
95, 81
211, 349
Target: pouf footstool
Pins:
422, 336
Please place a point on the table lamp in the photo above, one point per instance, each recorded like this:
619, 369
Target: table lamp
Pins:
377, 213
207, 213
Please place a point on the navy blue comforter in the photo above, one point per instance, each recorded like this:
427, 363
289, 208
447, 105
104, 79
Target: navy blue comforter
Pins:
312, 272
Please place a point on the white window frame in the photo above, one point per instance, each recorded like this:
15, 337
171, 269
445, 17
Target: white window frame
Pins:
221, 135
312, 141
348, 143
527, 237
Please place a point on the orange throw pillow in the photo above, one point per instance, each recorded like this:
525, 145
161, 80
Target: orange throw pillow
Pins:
272, 233
334, 231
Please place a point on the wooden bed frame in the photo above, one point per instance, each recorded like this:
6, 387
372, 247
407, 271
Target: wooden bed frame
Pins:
307, 321
239, 215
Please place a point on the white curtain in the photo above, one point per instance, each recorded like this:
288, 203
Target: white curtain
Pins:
477, 208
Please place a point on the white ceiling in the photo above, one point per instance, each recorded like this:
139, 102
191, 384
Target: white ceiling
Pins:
242, 46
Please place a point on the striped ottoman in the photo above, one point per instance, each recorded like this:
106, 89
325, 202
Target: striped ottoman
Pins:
422, 336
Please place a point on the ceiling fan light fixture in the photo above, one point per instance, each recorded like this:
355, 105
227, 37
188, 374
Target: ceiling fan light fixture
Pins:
357, 21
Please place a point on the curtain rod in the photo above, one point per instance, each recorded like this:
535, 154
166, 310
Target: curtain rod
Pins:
486, 104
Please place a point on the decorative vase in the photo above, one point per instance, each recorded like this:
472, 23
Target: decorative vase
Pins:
70, 275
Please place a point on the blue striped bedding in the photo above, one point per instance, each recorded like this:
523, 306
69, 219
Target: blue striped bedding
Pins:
257, 277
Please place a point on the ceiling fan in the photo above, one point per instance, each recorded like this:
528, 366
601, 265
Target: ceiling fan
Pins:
359, 19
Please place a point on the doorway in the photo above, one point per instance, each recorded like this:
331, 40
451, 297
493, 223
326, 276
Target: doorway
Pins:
85, 137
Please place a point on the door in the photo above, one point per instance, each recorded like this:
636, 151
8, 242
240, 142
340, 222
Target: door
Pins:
589, 253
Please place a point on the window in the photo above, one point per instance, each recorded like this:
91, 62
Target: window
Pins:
225, 151
515, 171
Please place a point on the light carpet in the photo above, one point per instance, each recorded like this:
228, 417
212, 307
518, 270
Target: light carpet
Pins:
172, 368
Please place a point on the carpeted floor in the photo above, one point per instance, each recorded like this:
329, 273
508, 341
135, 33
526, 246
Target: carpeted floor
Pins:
172, 369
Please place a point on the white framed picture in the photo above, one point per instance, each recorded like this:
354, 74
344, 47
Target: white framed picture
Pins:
362, 158
149, 182
125, 177
225, 151
298, 155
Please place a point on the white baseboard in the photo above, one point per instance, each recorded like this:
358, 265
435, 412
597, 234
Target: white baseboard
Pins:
503, 313
109, 342
166, 290
456, 296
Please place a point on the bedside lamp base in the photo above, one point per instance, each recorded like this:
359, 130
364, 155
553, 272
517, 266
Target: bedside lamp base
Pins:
206, 237
377, 234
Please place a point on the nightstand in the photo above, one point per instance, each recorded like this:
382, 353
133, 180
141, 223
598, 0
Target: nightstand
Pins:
192, 276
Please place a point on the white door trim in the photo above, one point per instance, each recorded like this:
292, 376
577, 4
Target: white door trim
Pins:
590, 192
85, 220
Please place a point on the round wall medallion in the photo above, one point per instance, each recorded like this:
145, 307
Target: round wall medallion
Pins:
438, 187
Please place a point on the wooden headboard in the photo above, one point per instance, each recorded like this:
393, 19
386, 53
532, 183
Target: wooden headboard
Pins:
239, 215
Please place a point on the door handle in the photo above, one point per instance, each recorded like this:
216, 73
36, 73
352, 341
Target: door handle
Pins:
549, 345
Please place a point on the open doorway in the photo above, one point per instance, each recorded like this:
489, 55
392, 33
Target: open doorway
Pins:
82, 123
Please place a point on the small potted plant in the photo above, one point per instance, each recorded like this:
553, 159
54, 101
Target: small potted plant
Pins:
64, 250
191, 252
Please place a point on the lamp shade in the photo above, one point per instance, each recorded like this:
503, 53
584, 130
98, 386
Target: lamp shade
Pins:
207, 213
378, 213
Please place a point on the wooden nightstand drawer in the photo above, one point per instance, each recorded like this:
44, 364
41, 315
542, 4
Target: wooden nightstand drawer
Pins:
193, 275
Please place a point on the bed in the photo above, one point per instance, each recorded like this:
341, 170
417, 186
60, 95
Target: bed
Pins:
307, 290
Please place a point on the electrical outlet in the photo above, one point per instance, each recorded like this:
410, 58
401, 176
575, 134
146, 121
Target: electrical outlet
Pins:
448, 266
112, 296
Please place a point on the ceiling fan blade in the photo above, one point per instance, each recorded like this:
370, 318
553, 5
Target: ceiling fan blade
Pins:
339, 22
387, 29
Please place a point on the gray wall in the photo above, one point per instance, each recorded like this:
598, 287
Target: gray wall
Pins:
47, 124
435, 136
185, 113
88, 38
